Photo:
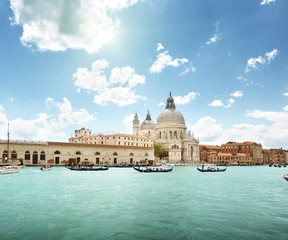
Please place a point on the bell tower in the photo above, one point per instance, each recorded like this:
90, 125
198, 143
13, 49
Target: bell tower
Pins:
136, 125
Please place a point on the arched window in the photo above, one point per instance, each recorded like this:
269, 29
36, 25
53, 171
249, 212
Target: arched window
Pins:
170, 134
146, 155
175, 146
97, 153
27, 155
131, 154
160, 135
78, 153
175, 134
115, 154
57, 152
42, 155
14, 154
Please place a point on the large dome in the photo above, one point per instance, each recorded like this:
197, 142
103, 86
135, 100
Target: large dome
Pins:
170, 114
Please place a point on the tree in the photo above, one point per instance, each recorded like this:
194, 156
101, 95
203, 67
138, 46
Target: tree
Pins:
158, 151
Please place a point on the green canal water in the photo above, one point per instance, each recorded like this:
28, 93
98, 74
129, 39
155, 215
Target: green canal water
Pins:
241, 203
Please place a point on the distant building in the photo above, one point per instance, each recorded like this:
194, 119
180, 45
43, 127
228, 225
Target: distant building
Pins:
275, 156
246, 153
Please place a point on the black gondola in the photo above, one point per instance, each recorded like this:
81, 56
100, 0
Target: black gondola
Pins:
211, 169
87, 168
150, 169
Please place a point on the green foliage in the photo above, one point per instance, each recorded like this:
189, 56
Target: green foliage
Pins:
158, 151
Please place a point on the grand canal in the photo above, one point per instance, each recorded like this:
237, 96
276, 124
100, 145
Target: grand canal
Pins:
241, 203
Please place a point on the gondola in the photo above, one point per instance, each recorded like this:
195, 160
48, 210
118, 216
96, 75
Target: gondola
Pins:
211, 168
152, 169
87, 168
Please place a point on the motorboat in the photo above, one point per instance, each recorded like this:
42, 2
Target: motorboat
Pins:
210, 168
9, 169
46, 168
286, 177
156, 168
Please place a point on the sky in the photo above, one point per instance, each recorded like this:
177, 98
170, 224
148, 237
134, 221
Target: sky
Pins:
67, 64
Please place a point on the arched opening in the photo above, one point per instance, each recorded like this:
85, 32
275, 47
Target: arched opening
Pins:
14, 154
42, 156
175, 146
35, 158
57, 158
115, 158
27, 155
97, 157
175, 134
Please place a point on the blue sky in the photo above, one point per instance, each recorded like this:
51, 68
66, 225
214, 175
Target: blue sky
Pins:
66, 64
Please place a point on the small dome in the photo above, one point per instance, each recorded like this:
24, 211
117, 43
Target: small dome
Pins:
148, 124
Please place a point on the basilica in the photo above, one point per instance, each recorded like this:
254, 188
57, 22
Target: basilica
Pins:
171, 132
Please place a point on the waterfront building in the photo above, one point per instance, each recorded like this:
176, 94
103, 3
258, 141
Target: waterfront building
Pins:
253, 152
61, 153
171, 132
232, 153
275, 156
208, 153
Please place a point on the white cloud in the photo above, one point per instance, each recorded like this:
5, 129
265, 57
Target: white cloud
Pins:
271, 55
216, 103
118, 88
189, 69
180, 100
206, 129
125, 75
264, 2
46, 127
286, 94
285, 108
164, 60
93, 80
159, 47
254, 63
237, 94
58, 25
216, 36
121, 96
49, 102
230, 102
69, 117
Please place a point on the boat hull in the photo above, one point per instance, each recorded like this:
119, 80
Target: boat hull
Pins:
211, 170
149, 170
8, 170
89, 168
